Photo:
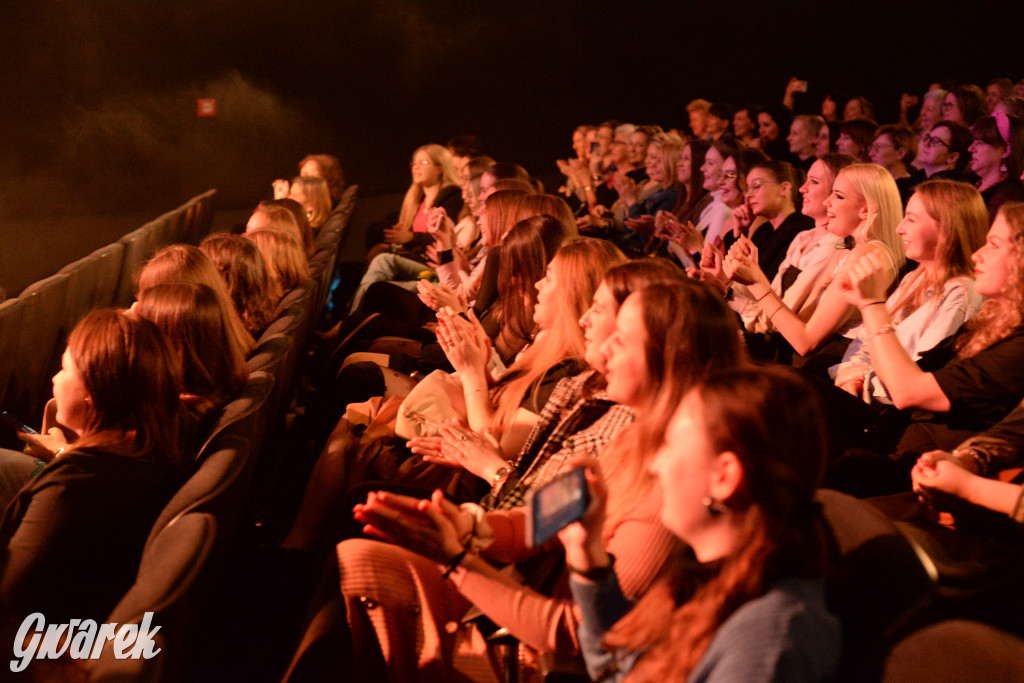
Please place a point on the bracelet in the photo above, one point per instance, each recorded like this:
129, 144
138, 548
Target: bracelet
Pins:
980, 462
595, 574
474, 391
874, 303
455, 562
57, 453
770, 291
781, 306
888, 328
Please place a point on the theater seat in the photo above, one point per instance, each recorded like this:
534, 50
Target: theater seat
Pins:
41, 340
881, 585
171, 583
956, 652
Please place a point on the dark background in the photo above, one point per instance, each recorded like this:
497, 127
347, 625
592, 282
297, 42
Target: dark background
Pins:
99, 97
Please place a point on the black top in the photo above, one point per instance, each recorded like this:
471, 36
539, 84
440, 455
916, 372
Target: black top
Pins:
72, 538
773, 244
1009, 190
981, 391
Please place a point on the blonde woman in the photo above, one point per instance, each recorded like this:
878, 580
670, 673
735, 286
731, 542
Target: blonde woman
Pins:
863, 210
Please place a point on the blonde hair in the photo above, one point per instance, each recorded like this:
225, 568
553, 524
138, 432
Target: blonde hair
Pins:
963, 219
414, 195
876, 186
580, 265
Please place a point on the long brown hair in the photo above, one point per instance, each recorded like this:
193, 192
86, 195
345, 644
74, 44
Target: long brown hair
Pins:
525, 253
999, 316
212, 364
134, 381
185, 263
581, 263
769, 418
690, 334
963, 219
244, 271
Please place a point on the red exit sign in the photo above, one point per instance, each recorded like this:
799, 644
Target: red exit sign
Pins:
206, 107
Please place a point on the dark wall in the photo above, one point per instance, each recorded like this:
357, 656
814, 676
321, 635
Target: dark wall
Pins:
99, 98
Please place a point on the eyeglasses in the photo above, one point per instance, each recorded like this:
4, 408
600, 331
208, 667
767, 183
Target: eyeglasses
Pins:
756, 185
729, 175
879, 146
421, 162
930, 141
948, 105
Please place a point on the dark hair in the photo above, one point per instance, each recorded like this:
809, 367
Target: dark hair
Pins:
506, 170
465, 146
782, 172
694, 190
987, 130
722, 110
960, 139
525, 253
836, 162
971, 101
134, 383
745, 159
861, 131
902, 137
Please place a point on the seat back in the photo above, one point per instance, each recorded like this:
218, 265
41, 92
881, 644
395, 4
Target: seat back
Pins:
956, 652
139, 246
92, 282
880, 584
217, 487
10, 331
170, 584
244, 416
41, 341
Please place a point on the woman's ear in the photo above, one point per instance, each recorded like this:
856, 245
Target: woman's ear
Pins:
952, 159
727, 476
866, 211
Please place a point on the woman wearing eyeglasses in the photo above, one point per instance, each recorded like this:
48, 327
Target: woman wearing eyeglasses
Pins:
943, 153
997, 156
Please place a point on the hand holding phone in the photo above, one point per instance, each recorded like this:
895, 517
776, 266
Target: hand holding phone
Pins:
555, 506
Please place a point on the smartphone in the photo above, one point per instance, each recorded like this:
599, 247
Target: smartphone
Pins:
555, 506
594, 146
16, 423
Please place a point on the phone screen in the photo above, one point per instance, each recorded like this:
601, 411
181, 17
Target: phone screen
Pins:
16, 423
555, 506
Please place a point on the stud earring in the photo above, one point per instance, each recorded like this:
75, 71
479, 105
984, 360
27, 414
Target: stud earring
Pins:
714, 508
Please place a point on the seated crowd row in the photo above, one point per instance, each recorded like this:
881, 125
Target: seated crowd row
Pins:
650, 353
895, 289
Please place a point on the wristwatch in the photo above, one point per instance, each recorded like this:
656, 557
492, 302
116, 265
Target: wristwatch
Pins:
501, 476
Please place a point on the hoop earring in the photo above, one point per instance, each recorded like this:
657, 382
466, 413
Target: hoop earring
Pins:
713, 507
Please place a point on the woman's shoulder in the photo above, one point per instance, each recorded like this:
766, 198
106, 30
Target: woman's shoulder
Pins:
788, 632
